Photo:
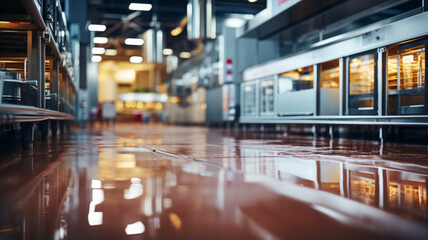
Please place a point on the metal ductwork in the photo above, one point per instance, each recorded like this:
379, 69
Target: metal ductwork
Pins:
201, 19
153, 46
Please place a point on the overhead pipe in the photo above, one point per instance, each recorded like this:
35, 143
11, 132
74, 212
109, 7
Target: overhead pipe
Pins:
153, 39
201, 19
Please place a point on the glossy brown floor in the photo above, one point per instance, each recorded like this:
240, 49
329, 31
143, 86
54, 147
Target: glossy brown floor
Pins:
164, 182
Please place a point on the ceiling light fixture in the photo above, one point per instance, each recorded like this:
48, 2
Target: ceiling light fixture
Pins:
97, 28
234, 22
136, 59
96, 59
111, 52
98, 50
140, 6
167, 51
185, 55
100, 40
134, 41
252, 1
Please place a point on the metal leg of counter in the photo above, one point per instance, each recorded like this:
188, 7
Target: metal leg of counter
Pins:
68, 125
62, 126
54, 128
27, 135
44, 126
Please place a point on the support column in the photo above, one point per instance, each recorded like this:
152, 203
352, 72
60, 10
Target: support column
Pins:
342, 87
36, 59
44, 125
62, 126
382, 133
317, 87
55, 90
27, 135
381, 90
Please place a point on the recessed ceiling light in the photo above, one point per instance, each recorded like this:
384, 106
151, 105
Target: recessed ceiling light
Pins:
167, 51
185, 55
252, 1
136, 59
134, 41
98, 50
100, 40
96, 59
97, 28
234, 22
140, 6
111, 52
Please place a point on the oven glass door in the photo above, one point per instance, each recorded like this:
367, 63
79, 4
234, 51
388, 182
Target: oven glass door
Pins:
362, 81
411, 82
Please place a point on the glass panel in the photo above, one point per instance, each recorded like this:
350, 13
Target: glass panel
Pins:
363, 187
392, 79
296, 80
249, 100
392, 69
412, 76
267, 104
361, 81
330, 74
412, 72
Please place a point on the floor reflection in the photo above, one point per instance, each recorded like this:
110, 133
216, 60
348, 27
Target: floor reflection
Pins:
163, 182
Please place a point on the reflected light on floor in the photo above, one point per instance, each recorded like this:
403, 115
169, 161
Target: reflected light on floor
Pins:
135, 190
96, 218
96, 183
135, 228
125, 161
175, 220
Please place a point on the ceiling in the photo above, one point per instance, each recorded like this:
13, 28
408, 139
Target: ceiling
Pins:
123, 23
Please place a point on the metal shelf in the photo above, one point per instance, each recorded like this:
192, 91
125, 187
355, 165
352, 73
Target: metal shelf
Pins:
10, 113
402, 120
34, 11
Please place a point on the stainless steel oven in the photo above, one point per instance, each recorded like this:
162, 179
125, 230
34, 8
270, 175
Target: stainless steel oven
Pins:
406, 72
362, 84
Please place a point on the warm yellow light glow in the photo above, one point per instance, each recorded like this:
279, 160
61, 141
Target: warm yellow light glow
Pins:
204, 106
111, 52
140, 105
125, 160
149, 105
130, 104
125, 76
159, 106
175, 99
167, 51
185, 55
175, 220
176, 31
136, 59
119, 105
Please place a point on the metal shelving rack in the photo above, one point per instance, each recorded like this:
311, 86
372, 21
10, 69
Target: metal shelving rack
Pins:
35, 42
